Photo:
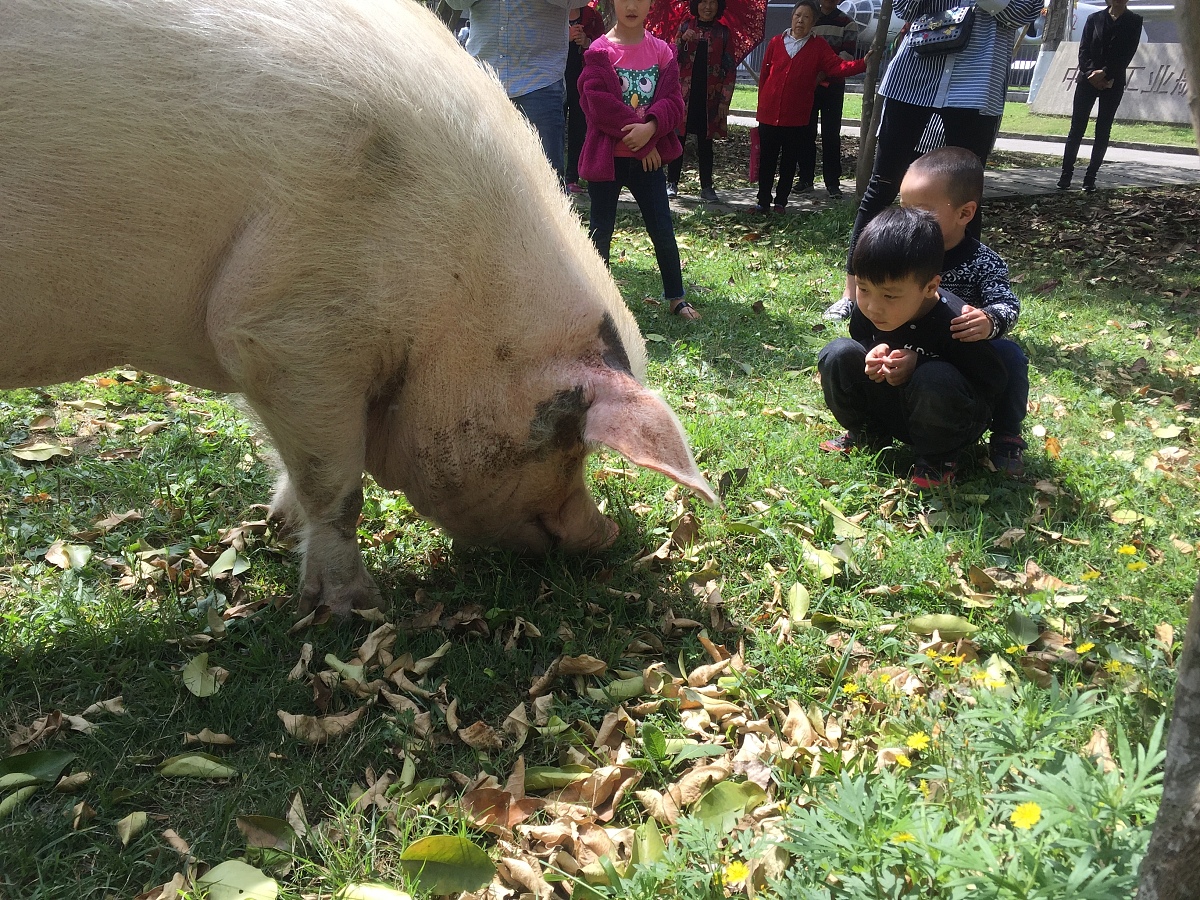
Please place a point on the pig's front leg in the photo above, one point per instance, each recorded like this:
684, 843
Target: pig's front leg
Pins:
331, 569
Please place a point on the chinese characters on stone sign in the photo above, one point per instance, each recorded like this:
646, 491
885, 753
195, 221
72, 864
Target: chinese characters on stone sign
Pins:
1165, 78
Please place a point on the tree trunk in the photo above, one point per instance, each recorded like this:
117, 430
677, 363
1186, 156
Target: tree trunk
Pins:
1058, 23
1171, 869
872, 106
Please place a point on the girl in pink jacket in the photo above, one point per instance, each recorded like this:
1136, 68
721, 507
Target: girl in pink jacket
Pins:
791, 67
629, 91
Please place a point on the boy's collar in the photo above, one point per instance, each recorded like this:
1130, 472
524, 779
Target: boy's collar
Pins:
960, 252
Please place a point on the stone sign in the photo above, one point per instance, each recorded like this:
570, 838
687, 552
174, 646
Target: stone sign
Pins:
1157, 90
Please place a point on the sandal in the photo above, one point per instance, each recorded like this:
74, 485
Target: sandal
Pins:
685, 310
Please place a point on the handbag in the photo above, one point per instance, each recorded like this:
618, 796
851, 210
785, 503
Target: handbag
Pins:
945, 32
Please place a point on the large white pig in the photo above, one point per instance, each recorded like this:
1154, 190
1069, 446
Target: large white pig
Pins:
327, 206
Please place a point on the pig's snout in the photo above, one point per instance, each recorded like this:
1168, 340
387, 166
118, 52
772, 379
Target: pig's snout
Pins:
579, 526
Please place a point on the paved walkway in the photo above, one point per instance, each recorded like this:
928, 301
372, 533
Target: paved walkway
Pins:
1123, 168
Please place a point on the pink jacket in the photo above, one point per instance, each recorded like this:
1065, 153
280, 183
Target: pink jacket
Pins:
607, 114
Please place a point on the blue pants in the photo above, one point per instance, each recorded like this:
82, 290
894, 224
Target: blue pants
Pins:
1014, 402
937, 411
649, 189
544, 110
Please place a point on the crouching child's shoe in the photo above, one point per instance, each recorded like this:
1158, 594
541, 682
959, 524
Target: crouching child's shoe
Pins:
930, 474
1007, 453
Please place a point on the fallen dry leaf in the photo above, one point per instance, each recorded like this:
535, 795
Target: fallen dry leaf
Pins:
318, 729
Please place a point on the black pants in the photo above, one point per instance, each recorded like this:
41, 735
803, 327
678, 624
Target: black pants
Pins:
704, 158
899, 133
827, 107
1085, 98
784, 146
936, 411
576, 125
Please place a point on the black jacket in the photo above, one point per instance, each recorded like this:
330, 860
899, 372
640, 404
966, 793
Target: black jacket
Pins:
1109, 44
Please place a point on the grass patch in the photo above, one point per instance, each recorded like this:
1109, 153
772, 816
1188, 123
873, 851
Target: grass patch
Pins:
1019, 120
1070, 578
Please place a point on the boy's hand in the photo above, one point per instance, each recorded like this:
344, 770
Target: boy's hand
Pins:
637, 136
652, 161
898, 366
973, 325
876, 357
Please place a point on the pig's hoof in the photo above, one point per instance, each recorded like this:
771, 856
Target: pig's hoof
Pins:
361, 593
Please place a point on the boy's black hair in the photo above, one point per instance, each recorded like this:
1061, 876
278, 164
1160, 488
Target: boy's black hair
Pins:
958, 171
694, 6
899, 244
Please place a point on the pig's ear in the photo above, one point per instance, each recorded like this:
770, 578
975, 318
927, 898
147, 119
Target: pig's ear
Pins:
637, 424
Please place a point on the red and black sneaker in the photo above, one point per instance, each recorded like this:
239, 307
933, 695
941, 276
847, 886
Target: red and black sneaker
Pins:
843, 443
929, 475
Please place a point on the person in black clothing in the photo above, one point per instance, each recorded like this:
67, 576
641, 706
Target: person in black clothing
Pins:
841, 33
1110, 39
585, 25
943, 404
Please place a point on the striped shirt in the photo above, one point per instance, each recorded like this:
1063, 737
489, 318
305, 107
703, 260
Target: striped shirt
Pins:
974, 78
838, 30
525, 41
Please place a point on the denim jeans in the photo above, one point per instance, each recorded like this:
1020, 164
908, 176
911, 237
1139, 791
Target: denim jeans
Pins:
649, 189
544, 110
900, 131
1014, 402
937, 411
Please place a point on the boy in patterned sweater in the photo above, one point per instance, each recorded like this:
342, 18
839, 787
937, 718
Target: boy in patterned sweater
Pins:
948, 182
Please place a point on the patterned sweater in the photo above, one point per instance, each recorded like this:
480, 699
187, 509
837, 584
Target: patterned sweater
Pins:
977, 274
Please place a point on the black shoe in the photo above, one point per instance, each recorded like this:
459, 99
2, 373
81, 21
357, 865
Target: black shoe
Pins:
708, 195
1064, 183
672, 190
1089, 187
834, 191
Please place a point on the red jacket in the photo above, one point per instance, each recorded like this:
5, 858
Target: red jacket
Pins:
786, 85
607, 114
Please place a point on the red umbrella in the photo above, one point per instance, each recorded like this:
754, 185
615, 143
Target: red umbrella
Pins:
745, 19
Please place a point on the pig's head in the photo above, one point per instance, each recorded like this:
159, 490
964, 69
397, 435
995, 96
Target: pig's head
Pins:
495, 452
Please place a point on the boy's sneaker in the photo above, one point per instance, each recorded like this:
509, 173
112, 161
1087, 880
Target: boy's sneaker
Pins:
1007, 453
929, 475
839, 310
843, 443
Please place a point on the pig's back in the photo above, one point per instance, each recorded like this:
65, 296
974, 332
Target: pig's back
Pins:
141, 142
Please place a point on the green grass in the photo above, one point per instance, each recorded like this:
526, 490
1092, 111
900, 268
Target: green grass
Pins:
1109, 327
1019, 120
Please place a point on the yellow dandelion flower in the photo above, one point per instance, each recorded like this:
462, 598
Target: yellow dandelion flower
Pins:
1026, 816
1115, 666
737, 871
918, 741
979, 676
903, 761
1137, 566
953, 660
903, 837
1014, 648
993, 682
931, 653
923, 787
1127, 550
1089, 575
884, 677
850, 688
1085, 647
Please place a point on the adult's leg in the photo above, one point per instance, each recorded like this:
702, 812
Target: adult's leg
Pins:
704, 153
831, 100
806, 152
793, 136
1081, 109
544, 109
602, 217
900, 127
971, 130
1011, 407
576, 131
1109, 99
770, 143
675, 166
649, 189
945, 414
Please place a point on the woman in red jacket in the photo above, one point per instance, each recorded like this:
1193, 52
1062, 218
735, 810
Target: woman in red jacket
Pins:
787, 84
